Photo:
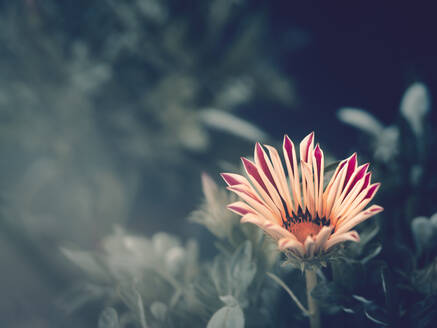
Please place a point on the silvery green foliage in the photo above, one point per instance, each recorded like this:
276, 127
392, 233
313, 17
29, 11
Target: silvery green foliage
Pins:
137, 271
231, 124
238, 271
415, 106
162, 284
91, 102
425, 233
347, 261
76, 117
425, 279
211, 213
109, 319
408, 187
362, 120
229, 316
385, 141
226, 226
233, 275
124, 257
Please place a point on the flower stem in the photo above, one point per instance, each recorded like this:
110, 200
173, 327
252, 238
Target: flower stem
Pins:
314, 314
288, 290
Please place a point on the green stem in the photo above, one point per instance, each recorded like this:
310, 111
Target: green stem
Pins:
288, 290
314, 314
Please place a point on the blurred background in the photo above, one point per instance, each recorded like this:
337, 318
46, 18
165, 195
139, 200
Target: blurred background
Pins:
110, 110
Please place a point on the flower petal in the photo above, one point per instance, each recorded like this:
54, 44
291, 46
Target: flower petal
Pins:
265, 171
318, 167
255, 203
308, 193
292, 245
306, 148
272, 229
321, 238
263, 162
293, 173
360, 173
252, 171
310, 246
351, 167
277, 231
280, 179
347, 236
257, 181
346, 225
241, 208
233, 179
333, 190
348, 202
361, 201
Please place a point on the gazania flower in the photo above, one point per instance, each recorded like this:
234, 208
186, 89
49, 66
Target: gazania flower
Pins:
306, 217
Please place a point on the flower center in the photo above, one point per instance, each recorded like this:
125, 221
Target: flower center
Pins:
303, 225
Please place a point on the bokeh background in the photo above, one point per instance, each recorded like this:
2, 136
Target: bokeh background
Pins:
110, 110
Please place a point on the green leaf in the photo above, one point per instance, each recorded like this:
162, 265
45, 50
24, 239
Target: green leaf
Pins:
159, 310
132, 298
229, 300
242, 267
220, 275
423, 232
87, 262
109, 319
227, 317
377, 248
330, 296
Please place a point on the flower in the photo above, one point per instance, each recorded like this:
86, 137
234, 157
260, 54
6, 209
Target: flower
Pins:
303, 216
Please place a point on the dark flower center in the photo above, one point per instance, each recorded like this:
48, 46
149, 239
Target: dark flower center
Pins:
303, 224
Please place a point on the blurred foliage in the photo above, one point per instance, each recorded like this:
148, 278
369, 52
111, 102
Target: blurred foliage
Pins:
158, 282
135, 83
109, 109
404, 156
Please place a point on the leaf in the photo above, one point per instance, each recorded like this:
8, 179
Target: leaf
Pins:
423, 232
209, 188
141, 310
81, 294
433, 220
373, 253
368, 234
220, 275
373, 319
86, 262
424, 313
231, 124
361, 119
109, 319
227, 317
158, 310
330, 296
362, 299
162, 242
415, 105
242, 268
132, 298
229, 300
